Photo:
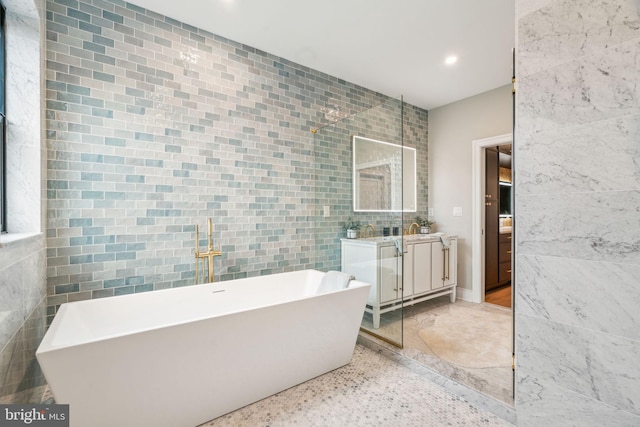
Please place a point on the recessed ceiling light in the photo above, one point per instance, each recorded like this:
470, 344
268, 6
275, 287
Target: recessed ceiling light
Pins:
451, 60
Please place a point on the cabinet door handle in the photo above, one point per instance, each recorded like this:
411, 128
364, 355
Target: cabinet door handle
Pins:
447, 264
508, 252
487, 203
444, 261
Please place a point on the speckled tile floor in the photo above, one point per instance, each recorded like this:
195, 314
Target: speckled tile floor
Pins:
371, 391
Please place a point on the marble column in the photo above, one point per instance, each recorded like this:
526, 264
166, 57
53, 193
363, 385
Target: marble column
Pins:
23, 252
577, 154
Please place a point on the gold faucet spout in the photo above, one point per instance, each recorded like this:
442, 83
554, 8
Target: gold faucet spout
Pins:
413, 228
369, 230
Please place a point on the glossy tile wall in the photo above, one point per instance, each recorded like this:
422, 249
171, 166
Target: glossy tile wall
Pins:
394, 122
577, 204
154, 125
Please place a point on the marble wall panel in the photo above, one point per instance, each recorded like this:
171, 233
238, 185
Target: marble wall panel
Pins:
11, 302
27, 8
19, 369
23, 179
525, 7
561, 31
591, 226
596, 87
545, 404
19, 247
600, 366
21, 283
22, 312
34, 329
23, 98
578, 238
599, 156
12, 364
33, 280
23, 124
593, 295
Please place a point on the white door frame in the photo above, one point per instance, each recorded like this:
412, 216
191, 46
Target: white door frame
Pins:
478, 147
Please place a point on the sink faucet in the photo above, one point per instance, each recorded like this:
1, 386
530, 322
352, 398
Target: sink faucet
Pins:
413, 228
369, 227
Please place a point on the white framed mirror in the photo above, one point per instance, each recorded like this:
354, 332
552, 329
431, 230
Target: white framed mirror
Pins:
384, 176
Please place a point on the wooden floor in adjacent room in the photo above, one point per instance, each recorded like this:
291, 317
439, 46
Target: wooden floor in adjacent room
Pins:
500, 296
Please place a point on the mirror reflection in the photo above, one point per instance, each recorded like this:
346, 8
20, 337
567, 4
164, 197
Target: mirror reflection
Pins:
384, 176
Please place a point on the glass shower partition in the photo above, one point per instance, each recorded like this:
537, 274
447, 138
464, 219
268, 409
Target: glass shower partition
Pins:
358, 176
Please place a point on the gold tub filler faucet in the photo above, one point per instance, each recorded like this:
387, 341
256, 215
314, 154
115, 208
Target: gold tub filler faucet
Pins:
206, 257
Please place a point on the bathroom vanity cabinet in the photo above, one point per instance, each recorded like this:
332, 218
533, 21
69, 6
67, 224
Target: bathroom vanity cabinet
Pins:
401, 271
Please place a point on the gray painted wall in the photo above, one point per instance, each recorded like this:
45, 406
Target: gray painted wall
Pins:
451, 130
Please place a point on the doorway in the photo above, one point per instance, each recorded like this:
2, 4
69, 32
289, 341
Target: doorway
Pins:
478, 254
498, 224
479, 150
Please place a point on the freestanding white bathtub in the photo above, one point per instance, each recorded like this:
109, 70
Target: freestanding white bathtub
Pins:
181, 357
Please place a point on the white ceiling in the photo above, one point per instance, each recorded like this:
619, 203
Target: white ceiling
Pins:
396, 47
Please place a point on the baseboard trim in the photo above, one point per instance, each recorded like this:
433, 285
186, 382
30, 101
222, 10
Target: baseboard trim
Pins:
466, 295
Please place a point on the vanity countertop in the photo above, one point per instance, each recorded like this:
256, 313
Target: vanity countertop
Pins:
388, 240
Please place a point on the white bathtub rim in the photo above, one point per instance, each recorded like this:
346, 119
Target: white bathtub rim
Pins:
48, 342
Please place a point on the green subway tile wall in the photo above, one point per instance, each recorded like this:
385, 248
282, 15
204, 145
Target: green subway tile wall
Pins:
154, 126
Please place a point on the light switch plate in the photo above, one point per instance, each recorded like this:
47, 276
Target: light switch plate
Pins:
327, 211
430, 212
457, 211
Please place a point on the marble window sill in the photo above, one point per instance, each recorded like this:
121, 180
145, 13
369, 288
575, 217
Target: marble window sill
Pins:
12, 239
